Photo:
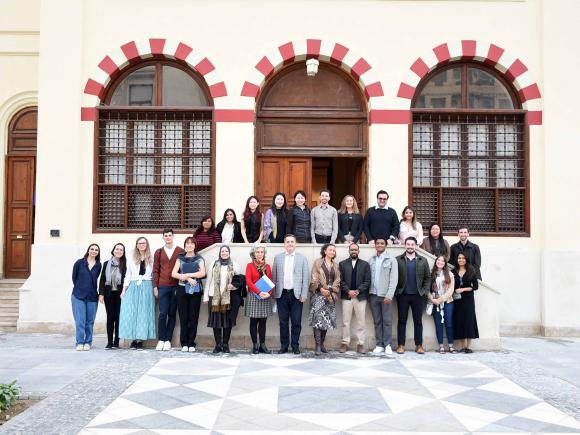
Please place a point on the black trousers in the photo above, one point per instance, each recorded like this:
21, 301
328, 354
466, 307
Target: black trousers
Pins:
188, 307
416, 302
113, 309
258, 327
289, 309
322, 239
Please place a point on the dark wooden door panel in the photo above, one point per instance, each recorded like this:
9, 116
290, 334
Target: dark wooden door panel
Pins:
284, 174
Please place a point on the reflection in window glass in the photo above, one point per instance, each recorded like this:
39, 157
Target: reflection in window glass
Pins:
442, 91
422, 172
180, 89
422, 139
484, 91
137, 89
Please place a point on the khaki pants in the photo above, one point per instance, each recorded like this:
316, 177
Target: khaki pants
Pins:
359, 307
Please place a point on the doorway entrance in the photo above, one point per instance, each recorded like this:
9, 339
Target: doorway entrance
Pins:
311, 133
20, 185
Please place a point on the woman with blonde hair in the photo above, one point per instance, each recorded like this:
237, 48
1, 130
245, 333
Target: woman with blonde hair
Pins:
137, 319
350, 221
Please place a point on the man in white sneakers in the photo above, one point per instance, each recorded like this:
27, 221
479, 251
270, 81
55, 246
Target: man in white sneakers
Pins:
384, 277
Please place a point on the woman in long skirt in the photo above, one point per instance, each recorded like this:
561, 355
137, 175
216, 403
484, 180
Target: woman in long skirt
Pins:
324, 289
259, 302
464, 319
219, 295
137, 320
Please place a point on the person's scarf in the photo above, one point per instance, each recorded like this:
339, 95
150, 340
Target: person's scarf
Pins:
274, 224
221, 300
260, 267
113, 273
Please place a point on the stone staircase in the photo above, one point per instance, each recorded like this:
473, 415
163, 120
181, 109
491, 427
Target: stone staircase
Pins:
9, 303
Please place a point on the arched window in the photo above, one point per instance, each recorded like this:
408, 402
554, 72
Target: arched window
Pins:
154, 150
469, 152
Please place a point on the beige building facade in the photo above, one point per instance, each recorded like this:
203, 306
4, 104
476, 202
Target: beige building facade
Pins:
491, 81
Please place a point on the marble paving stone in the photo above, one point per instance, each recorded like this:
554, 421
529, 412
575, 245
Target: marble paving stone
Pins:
492, 401
151, 421
170, 398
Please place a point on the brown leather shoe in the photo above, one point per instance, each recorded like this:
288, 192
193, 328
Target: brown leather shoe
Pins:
419, 349
360, 349
343, 348
400, 349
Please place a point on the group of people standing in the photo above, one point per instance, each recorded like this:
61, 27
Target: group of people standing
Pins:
128, 286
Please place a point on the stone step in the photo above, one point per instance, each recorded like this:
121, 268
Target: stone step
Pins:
8, 317
12, 311
7, 323
7, 328
11, 283
9, 297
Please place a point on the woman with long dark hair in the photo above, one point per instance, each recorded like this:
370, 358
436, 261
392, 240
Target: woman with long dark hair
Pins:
324, 290
189, 269
299, 218
464, 319
259, 302
435, 243
110, 288
252, 221
84, 298
275, 219
137, 318
441, 296
350, 222
230, 228
409, 226
206, 235
219, 296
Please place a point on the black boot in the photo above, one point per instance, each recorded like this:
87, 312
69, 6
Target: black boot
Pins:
322, 338
109, 345
263, 348
116, 343
255, 349
317, 339
226, 345
217, 334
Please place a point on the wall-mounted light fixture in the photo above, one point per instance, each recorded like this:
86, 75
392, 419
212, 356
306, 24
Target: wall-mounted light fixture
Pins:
312, 67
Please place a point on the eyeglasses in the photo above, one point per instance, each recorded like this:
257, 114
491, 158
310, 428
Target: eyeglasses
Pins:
383, 199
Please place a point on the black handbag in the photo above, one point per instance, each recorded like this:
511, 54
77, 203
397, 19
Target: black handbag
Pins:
239, 282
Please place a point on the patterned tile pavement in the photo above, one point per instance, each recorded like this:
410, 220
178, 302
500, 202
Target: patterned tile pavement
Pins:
229, 395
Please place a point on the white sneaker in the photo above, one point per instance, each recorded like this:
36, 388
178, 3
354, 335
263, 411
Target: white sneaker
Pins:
378, 349
388, 350
159, 345
87, 346
80, 347
192, 348
185, 349
166, 345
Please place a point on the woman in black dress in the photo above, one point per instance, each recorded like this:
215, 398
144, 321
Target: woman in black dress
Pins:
110, 287
350, 222
252, 221
464, 320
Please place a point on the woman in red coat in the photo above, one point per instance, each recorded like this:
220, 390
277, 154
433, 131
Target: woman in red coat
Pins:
258, 303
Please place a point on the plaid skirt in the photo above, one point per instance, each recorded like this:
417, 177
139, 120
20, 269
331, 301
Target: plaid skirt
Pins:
257, 308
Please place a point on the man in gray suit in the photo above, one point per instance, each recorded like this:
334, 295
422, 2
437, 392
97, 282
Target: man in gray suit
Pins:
292, 278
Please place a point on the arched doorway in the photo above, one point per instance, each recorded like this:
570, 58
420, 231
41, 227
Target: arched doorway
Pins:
311, 132
20, 187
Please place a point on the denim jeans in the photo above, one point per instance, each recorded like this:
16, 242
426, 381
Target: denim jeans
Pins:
84, 313
167, 311
448, 318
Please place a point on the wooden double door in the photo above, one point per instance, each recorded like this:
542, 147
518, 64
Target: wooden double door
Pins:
19, 204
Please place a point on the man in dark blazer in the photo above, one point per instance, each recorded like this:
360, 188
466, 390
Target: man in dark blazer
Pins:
355, 280
413, 285
291, 277
467, 248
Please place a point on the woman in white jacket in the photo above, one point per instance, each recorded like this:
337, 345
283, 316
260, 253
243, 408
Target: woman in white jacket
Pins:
137, 319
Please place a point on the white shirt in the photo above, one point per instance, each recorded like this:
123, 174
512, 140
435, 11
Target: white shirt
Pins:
354, 263
169, 252
228, 233
289, 271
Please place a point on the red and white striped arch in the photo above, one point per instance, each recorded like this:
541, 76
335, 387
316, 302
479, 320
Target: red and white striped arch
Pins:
515, 71
134, 51
327, 51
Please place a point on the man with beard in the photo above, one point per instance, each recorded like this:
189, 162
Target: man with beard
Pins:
384, 275
467, 248
355, 280
412, 289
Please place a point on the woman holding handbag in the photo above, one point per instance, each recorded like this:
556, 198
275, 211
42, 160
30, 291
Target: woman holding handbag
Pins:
441, 298
324, 289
